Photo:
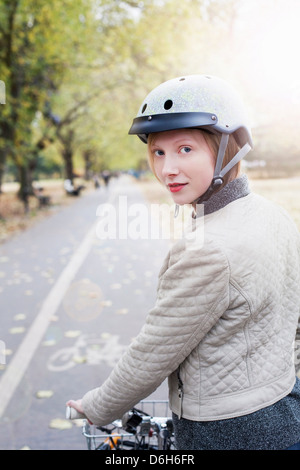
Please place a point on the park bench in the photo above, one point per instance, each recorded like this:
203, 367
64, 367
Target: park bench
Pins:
70, 188
43, 199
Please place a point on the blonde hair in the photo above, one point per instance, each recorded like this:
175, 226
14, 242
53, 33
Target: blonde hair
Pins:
213, 142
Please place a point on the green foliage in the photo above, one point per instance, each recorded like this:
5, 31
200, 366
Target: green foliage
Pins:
76, 72
38, 43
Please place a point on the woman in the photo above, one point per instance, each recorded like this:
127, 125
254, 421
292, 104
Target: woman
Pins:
225, 320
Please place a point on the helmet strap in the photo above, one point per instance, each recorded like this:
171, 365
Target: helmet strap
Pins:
219, 174
221, 154
217, 179
237, 158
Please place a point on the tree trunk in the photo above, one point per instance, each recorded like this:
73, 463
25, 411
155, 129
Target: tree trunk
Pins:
67, 154
68, 159
2, 166
87, 155
25, 186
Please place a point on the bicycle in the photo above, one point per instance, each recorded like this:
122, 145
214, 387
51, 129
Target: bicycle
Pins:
137, 430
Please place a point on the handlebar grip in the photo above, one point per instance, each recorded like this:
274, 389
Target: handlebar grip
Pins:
71, 413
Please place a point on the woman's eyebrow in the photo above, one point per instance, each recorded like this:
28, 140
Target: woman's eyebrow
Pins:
186, 141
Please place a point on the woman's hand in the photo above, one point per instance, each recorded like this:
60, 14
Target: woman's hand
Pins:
76, 404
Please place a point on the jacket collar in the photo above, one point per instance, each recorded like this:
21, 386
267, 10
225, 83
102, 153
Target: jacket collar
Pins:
235, 189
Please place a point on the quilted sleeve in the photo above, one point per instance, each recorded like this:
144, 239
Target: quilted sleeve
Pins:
193, 292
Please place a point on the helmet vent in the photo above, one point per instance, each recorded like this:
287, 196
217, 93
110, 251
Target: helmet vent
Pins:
168, 104
144, 108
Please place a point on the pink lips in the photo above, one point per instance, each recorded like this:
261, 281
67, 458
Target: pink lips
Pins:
175, 187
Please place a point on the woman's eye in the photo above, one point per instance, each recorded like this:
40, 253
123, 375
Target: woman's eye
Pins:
158, 153
185, 150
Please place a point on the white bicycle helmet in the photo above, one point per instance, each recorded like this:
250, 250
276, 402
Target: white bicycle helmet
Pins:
197, 101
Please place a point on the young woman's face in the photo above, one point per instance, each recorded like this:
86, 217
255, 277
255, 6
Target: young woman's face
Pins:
183, 162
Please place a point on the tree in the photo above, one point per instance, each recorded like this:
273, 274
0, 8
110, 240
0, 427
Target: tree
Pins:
54, 57
38, 41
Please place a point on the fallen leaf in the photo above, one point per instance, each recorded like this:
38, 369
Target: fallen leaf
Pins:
116, 286
93, 295
148, 273
17, 330
59, 423
47, 274
78, 422
44, 394
72, 333
122, 311
8, 352
65, 250
28, 292
105, 335
27, 278
19, 317
106, 303
79, 359
49, 342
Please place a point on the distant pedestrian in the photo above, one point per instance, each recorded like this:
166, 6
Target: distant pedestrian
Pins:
106, 175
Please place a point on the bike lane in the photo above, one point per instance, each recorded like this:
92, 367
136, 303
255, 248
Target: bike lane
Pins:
97, 293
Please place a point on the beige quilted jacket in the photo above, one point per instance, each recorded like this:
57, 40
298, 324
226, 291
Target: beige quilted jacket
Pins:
224, 322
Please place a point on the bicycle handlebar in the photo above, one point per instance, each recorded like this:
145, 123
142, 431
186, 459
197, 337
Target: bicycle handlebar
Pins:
130, 420
71, 413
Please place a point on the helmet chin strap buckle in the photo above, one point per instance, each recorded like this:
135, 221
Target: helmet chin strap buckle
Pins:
216, 182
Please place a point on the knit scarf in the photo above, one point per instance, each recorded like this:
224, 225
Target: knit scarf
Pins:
233, 190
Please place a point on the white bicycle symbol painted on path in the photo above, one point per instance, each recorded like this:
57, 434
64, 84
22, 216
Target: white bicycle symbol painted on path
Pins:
89, 350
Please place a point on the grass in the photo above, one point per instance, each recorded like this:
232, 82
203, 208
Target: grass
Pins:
283, 191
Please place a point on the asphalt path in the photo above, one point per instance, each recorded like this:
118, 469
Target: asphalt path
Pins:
73, 293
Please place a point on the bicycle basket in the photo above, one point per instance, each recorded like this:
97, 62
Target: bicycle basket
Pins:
148, 427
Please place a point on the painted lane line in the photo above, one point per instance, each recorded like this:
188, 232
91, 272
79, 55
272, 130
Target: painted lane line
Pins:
18, 365
21, 360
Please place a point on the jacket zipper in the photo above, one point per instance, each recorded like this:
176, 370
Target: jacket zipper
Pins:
180, 392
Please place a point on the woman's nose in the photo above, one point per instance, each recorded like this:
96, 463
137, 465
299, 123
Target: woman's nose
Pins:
170, 166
